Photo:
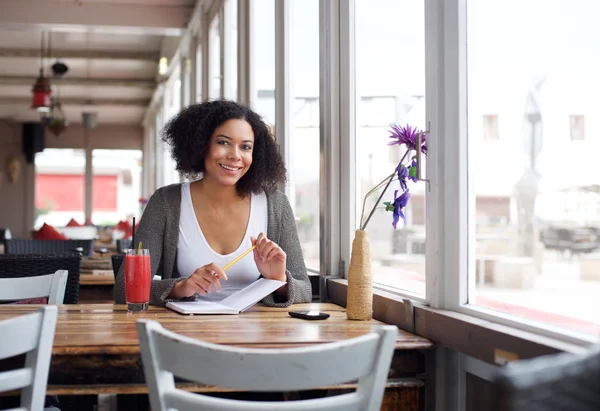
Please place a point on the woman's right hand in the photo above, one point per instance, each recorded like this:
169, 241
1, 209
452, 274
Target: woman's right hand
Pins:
202, 281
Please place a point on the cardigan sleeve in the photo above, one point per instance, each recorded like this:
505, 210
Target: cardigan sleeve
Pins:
151, 233
298, 284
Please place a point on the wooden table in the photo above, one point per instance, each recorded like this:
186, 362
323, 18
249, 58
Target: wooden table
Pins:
96, 346
96, 287
96, 262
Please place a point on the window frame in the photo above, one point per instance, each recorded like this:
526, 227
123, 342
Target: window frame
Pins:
448, 167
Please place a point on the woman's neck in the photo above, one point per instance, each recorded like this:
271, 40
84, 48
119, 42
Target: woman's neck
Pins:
216, 193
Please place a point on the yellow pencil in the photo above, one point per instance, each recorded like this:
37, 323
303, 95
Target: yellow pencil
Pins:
238, 258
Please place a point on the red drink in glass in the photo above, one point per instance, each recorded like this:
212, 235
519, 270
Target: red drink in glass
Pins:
137, 279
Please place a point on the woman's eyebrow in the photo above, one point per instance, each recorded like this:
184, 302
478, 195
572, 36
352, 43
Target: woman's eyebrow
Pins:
229, 138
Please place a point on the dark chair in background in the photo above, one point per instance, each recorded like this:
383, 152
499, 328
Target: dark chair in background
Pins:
551, 383
27, 246
31, 265
117, 260
123, 244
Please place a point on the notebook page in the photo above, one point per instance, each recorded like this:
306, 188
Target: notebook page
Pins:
252, 294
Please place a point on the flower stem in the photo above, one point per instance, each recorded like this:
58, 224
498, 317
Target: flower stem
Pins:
377, 202
389, 181
381, 183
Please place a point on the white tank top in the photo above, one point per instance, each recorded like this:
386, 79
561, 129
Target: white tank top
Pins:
193, 251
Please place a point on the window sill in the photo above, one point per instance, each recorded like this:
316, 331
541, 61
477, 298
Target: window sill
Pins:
482, 339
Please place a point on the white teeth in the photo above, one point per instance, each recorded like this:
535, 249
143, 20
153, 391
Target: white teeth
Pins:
228, 168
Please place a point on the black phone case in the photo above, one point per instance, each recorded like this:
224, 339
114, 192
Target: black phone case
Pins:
321, 316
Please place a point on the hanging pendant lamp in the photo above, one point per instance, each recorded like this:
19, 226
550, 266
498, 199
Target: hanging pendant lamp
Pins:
59, 121
42, 93
89, 116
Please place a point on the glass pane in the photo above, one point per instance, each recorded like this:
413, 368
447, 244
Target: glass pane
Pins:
231, 49
59, 187
304, 141
117, 186
172, 105
199, 96
214, 62
263, 59
532, 119
390, 89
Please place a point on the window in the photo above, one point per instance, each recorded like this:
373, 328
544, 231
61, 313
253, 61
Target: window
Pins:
376, 111
117, 186
230, 34
304, 141
534, 199
214, 62
171, 106
199, 96
263, 59
390, 89
490, 127
59, 187
577, 127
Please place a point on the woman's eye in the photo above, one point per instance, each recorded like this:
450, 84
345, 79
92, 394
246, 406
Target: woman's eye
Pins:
246, 147
223, 142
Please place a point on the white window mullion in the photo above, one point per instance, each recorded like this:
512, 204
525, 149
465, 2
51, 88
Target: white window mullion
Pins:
447, 212
434, 227
245, 87
221, 18
329, 113
347, 145
283, 86
205, 45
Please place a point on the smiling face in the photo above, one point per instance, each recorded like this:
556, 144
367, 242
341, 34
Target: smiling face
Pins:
229, 154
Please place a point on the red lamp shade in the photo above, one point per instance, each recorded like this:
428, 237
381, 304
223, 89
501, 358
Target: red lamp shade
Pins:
41, 94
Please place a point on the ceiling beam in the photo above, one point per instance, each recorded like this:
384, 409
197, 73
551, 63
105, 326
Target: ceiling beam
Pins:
83, 54
19, 101
69, 81
164, 20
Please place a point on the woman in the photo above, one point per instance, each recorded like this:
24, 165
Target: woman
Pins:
194, 229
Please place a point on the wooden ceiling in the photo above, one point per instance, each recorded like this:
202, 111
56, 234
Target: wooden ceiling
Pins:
112, 49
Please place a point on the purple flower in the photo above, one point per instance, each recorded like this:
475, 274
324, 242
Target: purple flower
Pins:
399, 204
412, 171
408, 136
402, 176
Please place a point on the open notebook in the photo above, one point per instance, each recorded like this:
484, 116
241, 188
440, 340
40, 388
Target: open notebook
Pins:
234, 304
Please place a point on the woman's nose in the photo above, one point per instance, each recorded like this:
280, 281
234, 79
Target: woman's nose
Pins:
234, 153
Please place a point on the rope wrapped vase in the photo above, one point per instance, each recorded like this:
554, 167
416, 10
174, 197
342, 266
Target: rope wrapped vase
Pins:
360, 280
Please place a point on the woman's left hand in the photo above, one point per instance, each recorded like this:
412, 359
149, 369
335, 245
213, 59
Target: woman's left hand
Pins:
269, 258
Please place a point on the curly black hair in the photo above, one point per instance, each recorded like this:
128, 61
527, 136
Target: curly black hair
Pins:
189, 133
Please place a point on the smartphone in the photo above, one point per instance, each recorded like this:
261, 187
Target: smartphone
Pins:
309, 315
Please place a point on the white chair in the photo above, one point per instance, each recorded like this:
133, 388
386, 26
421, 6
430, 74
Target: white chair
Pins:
165, 354
21, 288
31, 334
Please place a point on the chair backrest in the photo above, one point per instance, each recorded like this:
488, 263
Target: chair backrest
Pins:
123, 244
29, 246
31, 334
551, 383
165, 354
30, 265
22, 288
116, 260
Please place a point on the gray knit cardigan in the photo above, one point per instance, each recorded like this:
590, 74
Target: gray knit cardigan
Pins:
159, 232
